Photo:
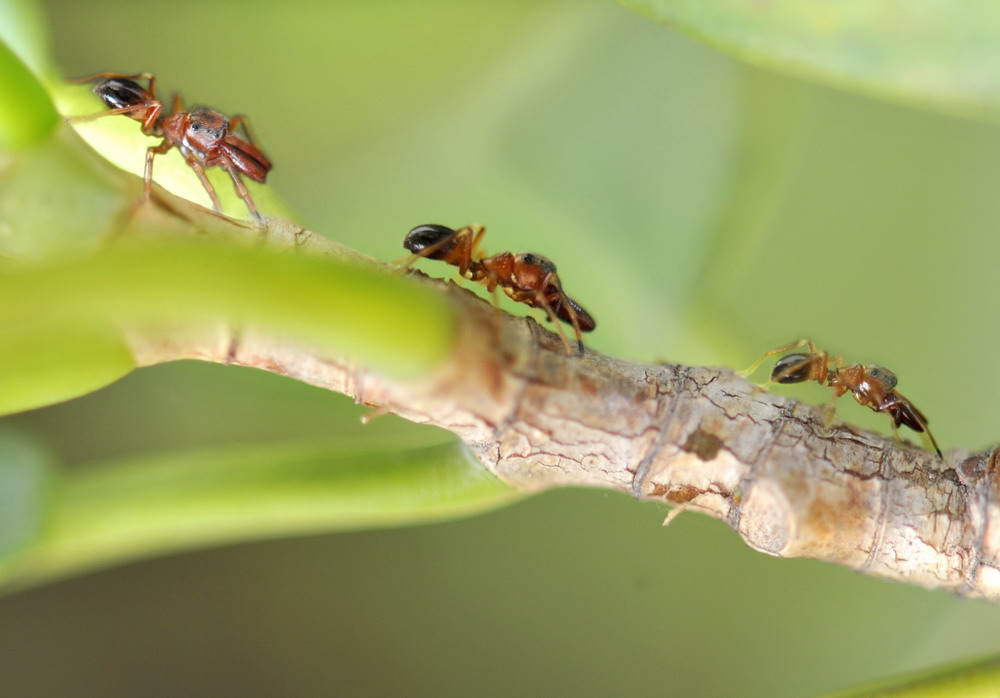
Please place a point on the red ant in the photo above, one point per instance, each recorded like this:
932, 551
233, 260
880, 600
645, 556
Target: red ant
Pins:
871, 385
205, 138
526, 278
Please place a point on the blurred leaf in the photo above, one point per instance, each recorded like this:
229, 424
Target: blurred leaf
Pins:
930, 52
27, 115
23, 493
24, 29
57, 199
138, 508
51, 359
340, 307
968, 679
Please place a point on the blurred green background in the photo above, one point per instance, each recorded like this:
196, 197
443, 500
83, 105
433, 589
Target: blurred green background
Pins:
702, 210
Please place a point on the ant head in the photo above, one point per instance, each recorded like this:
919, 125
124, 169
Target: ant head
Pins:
531, 271
206, 127
883, 375
531, 259
424, 237
117, 93
793, 368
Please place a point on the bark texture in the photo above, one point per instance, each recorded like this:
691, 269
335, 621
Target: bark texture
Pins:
697, 437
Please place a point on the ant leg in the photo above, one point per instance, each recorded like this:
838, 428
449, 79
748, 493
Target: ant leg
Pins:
200, 171
466, 248
110, 112
554, 319
147, 176
930, 437
240, 120
546, 282
493, 286
579, 336
105, 76
477, 231
830, 410
412, 259
797, 345
241, 189
895, 432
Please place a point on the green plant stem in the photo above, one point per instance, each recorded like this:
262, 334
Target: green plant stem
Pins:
115, 512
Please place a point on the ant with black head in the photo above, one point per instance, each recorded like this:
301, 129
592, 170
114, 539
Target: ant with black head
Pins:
205, 138
526, 278
872, 386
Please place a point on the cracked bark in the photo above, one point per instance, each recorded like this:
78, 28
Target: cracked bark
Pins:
698, 437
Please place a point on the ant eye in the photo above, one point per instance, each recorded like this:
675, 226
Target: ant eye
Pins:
195, 126
882, 374
538, 260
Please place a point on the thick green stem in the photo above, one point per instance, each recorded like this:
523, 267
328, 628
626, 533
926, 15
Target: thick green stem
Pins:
127, 510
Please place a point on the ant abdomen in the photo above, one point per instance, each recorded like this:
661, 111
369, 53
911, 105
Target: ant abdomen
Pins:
423, 237
117, 93
793, 368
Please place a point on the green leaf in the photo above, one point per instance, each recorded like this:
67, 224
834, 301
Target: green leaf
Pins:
27, 115
24, 29
56, 199
130, 509
390, 323
935, 53
48, 360
968, 679
24, 474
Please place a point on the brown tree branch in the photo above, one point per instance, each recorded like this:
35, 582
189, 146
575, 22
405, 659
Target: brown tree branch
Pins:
701, 438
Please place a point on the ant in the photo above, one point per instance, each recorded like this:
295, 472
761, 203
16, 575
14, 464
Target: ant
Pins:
872, 386
204, 137
526, 278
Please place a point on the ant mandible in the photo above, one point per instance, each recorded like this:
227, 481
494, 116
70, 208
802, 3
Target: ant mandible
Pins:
872, 386
525, 278
204, 137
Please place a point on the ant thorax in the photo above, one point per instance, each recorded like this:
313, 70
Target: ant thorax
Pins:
500, 267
